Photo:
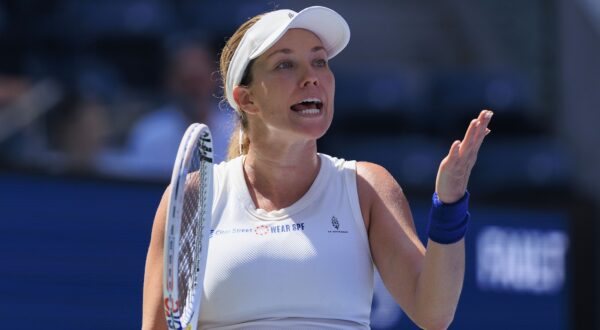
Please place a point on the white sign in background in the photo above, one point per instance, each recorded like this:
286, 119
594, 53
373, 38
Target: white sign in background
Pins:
521, 260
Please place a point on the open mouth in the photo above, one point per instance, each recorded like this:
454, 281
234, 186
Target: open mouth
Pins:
310, 106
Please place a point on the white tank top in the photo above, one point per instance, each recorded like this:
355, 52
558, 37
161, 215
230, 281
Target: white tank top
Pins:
307, 266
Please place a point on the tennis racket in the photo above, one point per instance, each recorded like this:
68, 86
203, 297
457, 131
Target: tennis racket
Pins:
187, 228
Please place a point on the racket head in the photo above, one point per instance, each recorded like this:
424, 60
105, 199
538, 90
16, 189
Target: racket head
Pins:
187, 228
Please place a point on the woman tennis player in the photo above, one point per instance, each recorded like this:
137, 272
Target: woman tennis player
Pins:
296, 234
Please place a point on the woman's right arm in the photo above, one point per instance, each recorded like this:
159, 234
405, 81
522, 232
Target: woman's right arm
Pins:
153, 315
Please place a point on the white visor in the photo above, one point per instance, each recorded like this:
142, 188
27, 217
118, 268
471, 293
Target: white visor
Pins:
328, 25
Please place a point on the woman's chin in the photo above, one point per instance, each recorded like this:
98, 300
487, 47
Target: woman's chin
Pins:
315, 131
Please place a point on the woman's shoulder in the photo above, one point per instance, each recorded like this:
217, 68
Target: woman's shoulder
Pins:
372, 172
375, 179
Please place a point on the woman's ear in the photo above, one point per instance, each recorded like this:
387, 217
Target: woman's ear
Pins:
244, 99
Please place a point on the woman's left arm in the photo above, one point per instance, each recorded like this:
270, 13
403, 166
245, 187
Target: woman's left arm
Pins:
444, 266
426, 283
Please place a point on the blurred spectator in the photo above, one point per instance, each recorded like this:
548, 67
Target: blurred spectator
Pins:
82, 135
23, 105
11, 87
77, 130
14, 81
190, 83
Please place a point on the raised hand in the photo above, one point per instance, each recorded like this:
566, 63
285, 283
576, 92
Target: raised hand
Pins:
455, 168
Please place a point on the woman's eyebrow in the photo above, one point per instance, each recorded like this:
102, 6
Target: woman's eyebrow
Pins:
289, 51
283, 51
318, 48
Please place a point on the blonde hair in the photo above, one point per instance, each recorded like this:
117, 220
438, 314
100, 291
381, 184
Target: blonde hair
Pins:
237, 146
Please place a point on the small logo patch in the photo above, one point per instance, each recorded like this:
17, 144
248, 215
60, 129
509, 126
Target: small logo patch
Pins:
262, 230
290, 15
335, 223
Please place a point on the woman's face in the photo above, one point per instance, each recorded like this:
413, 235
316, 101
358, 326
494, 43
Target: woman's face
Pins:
292, 88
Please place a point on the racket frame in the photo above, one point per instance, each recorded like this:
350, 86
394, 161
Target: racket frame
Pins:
197, 138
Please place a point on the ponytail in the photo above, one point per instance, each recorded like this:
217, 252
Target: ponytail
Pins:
237, 146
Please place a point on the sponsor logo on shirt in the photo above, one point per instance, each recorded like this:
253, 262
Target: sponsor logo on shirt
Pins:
260, 230
335, 223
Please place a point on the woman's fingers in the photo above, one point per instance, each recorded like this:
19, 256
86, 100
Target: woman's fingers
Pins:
475, 134
455, 169
454, 150
487, 116
470, 135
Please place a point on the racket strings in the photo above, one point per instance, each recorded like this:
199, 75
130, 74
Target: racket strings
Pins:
188, 237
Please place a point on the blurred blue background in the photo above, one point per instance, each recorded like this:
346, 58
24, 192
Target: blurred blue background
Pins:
94, 96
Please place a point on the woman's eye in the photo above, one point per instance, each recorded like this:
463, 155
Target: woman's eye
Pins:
321, 62
284, 65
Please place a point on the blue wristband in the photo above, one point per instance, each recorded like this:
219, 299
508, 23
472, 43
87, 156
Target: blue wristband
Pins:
448, 222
